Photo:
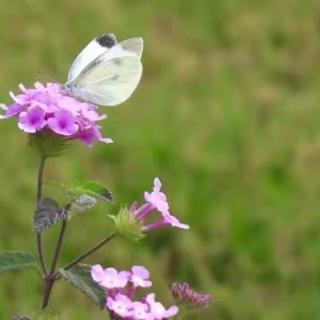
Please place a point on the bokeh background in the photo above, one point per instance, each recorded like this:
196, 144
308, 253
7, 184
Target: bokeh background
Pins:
227, 115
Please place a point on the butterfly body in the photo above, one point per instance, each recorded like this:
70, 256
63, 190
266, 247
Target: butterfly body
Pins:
106, 72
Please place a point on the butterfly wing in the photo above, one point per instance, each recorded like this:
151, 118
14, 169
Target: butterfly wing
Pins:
93, 50
108, 81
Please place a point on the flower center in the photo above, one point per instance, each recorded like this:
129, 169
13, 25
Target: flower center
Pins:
62, 124
34, 120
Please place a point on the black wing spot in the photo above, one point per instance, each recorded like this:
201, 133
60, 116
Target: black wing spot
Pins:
107, 40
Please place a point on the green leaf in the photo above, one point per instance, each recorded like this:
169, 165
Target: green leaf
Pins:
80, 277
47, 214
48, 144
90, 188
15, 260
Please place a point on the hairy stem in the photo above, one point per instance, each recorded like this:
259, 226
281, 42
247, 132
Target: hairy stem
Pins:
40, 178
39, 194
50, 278
58, 247
47, 291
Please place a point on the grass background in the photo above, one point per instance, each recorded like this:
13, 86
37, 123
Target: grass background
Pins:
227, 115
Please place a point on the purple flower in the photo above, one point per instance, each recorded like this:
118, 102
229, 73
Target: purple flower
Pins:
157, 309
50, 107
139, 277
63, 123
120, 304
92, 135
97, 273
141, 311
157, 198
32, 120
12, 111
184, 294
109, 278
155, 201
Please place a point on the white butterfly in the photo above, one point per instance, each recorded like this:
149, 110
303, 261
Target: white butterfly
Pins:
106, 72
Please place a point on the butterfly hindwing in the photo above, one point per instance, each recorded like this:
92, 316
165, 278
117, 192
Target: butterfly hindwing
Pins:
109, 82
133, 45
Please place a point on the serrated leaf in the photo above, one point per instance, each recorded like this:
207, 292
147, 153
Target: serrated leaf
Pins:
47, 214
82, 204
91, 188
15, 260
80, 277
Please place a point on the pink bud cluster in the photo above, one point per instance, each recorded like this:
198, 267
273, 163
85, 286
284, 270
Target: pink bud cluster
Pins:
184, 294
121, 288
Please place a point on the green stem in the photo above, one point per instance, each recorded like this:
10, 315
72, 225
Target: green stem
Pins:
40, 178
50, 278
58, 247
39, 195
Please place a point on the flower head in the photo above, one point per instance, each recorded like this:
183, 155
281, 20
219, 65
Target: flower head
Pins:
121, 287
49, 107
184, 294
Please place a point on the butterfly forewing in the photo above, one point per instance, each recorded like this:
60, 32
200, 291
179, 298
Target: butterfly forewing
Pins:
93, 50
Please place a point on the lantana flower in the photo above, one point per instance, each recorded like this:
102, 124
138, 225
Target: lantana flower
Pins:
157, 309
121, 302
154, 213
49, 107
109, 278
156, 201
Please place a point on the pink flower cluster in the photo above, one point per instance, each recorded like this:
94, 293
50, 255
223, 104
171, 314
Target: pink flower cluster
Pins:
156, 201
50, 107
120, 289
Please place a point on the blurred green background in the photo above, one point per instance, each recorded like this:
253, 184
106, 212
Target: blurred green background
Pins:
227, 115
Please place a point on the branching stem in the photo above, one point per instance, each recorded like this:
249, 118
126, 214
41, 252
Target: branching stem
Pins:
89, 252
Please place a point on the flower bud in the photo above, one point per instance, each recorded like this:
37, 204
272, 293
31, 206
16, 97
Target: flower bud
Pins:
184, 294
127, 226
